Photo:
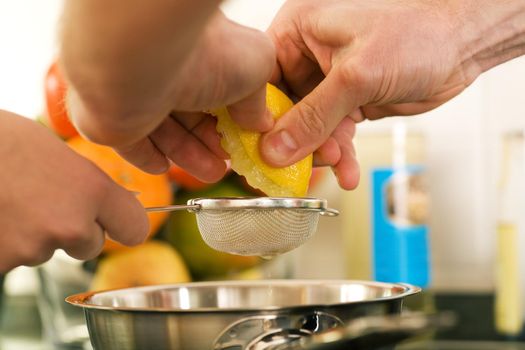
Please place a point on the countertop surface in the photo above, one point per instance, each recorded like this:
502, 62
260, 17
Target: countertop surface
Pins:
8, 343
463, 345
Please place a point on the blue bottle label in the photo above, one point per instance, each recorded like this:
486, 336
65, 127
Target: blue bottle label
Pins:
399, 226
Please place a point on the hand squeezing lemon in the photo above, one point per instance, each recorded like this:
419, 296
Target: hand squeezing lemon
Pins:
243, 147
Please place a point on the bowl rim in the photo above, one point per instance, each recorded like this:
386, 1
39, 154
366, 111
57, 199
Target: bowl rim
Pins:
83, 299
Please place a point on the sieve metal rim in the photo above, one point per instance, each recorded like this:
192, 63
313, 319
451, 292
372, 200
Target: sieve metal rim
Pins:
262, 203
250, 203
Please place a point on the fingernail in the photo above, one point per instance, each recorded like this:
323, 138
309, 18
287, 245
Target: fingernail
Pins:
280, 146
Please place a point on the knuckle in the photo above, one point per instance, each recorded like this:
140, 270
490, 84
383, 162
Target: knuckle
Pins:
355, 75
79, 242
311, 122
138, 154
68, 234
97, 182
35, 253
101, 184
43, 256
84, 252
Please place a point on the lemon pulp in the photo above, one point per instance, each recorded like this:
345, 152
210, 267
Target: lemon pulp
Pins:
243, 147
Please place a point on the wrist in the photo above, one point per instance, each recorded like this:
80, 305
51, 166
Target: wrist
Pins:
488, 32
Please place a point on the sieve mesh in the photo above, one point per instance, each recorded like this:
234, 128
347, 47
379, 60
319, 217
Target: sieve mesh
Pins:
264, 226
264, 232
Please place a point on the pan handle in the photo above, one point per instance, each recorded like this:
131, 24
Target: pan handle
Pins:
372, 332
272, 330
322, 331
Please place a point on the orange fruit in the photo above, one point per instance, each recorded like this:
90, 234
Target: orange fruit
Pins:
153, 190
55, 90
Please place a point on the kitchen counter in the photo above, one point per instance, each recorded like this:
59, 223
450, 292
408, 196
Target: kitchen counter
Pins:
7, 343
35, 344
463, 345
16, 343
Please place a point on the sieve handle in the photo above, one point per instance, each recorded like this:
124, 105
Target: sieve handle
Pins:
329, 212
189, 207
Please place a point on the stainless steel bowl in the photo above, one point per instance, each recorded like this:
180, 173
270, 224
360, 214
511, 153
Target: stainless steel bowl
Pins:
230, 315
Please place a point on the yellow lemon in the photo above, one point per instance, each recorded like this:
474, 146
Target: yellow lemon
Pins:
151, 263
243, 147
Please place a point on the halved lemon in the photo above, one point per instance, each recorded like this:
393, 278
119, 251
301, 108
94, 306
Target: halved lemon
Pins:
243, 147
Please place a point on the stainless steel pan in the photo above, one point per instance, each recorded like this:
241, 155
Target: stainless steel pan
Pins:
252, 315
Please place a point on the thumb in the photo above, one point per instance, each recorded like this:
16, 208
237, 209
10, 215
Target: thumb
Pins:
310, 122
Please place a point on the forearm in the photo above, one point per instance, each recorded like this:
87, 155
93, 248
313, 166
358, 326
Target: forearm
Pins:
116, 53
492, 32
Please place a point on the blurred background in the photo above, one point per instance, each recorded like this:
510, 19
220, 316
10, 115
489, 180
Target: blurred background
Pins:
459, 147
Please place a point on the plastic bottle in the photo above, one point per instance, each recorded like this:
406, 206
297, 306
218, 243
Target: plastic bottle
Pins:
510, 264
400, 206
375, 150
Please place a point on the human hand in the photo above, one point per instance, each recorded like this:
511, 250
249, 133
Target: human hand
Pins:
143, 94
356, 60
53, 198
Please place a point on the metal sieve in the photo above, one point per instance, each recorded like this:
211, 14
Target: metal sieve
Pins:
261, 226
